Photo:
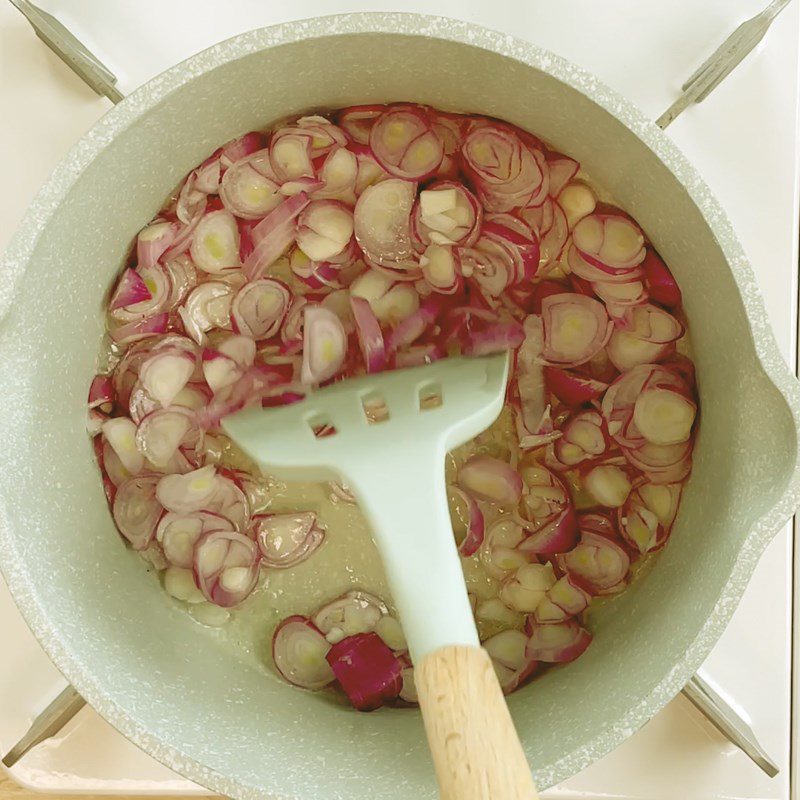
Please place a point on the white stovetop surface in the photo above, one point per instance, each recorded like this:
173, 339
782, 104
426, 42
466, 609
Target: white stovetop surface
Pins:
743, 139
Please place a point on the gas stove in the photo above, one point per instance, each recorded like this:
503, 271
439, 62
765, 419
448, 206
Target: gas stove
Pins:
743, 138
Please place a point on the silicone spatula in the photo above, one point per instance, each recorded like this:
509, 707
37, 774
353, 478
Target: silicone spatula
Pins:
386, 436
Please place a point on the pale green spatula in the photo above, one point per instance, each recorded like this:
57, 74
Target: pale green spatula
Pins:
387, 436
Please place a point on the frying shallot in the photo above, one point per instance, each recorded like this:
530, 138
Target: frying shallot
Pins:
385, 237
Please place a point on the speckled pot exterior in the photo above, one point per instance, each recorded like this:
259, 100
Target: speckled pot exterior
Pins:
169, 684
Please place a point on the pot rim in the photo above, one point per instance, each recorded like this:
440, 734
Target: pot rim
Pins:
116, 120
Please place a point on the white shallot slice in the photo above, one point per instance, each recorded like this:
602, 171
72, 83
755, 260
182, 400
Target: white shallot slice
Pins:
179, 583
260, 307
299, 650
526, 588
286, 540
136, 510
178, 533
247, 193
189, 492
596, 564
219, 370
608, 484
611, 242
166, 372
208, 306
153, 241
163, 431
405, 144
120, 433
561, 601
557, 643
488, 478
352, 613
230, 501
499, 553
664, 416
576, 328
382, 221
324, 345
215, 244
242, 349
226, 567
324, 229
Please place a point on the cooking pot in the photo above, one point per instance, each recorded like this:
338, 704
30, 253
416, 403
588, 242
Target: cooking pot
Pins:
174, 687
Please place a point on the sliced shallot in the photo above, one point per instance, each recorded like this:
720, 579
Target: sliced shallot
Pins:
338, 174
142, 329
357, 121
153, 241
273, 236
219, 370
441, 268
286, 540
597, 564
470, 517
101, 393
526, 588
505, 171
178, 533
530, 385
243, 146
183, 494
611, 242
405, 144
324, 229
447, 213
370, 337
242, 349
230, 501
556, 534
298, 651
382, 221
563, 600
247, 193
646, 518
162, 431
583, 437
120, 433
608, 484
578, 201
499, 552
490, 479
324, 344
664, 416
215, 244
557, 643
131, 290
208, 306
509, 658
576, 328
260, 307
352, 613
561, 169
226, 567
165, 373
661, 285
136, 510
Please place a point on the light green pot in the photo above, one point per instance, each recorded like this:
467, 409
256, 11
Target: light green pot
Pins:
167, 683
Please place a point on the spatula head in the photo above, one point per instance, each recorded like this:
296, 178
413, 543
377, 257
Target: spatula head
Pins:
449, 401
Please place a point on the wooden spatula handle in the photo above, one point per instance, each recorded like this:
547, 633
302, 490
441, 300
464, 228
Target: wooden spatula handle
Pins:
475, 748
